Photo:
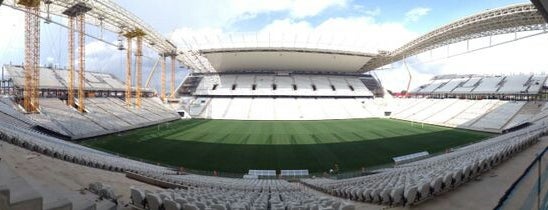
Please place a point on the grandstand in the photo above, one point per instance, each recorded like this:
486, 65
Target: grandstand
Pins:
486, 115
53, 79
419, 180
105, 112
520, 87
279, 97
254, 194
309, 105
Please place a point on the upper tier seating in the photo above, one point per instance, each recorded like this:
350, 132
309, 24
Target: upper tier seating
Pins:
467, 86
488, 85
535, 83
449, 86
432, 86
58, 79
515, 84
481, 85
284, 85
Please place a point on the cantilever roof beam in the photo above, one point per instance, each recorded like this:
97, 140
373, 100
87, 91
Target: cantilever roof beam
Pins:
510, 19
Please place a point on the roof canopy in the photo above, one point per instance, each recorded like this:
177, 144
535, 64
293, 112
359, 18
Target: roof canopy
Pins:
285, 59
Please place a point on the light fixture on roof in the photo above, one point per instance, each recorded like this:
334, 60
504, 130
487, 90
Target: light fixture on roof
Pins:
121, 41
102, 25
48, 17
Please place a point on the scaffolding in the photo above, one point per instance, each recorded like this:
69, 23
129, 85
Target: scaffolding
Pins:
138, 34
172, 83
81, 61
32, 55
77, 19
70, 96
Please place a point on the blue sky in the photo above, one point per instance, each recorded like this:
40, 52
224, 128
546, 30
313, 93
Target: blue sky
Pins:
380, 25
182, 13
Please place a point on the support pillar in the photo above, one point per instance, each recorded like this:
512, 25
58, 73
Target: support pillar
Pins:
138, 71
163, 79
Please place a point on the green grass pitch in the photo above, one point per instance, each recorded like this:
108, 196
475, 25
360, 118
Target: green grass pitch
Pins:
236, 146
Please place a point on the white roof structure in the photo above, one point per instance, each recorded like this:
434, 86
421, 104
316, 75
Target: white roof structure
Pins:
510, 19
283, 51
285, 59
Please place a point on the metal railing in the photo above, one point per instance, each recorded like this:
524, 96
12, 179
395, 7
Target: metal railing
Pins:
530, 191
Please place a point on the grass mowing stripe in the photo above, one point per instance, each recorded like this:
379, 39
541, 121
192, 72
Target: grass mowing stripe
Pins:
269, 139
339, 138
236, 146
244, 140
316, 139
293, 140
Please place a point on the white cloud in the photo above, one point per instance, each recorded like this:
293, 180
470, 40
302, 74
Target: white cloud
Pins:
374, 12
188, 37
397, 78
296, 8
415, 14
11, 35
101, 57
305, 8
366, 11
351, 33
362, 33
224, 13
376, 36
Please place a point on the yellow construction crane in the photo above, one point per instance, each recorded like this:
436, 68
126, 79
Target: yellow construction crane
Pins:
138, 34
81, 61
70, 85
32, 55
77, 19
172, 83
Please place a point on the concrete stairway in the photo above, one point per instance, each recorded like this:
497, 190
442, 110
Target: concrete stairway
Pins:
17, 193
